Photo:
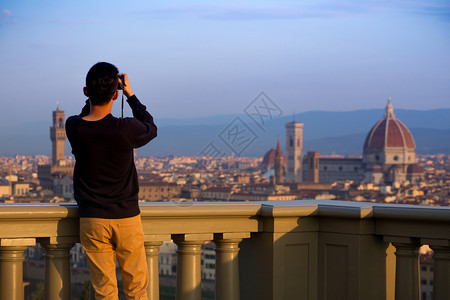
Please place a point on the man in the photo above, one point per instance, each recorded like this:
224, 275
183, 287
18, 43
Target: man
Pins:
106, 185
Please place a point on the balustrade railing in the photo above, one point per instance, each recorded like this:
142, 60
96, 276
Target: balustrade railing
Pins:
266, 250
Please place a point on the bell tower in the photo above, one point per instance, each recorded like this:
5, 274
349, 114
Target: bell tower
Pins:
294, 147
58, 137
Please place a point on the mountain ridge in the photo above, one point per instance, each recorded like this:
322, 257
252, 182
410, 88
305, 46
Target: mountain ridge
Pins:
324, 131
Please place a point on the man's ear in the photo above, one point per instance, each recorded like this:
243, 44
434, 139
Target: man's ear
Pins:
85, 91
116, 95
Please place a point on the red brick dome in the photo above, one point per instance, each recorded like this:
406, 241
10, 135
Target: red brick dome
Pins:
269, 157
389, 132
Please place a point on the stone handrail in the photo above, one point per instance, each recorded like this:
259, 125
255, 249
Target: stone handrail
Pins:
305, 249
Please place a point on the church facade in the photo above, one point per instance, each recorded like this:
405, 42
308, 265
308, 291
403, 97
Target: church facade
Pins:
389, 156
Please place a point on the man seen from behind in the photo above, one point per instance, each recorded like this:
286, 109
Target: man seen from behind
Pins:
106, 185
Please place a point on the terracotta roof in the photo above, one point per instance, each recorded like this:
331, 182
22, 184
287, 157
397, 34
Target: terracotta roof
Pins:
340, 159
219, 189
269, 157
415, 169
389, 132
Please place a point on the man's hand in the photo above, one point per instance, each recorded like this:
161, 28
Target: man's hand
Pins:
126, 86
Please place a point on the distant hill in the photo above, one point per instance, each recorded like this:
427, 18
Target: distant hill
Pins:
428, 141
326, 132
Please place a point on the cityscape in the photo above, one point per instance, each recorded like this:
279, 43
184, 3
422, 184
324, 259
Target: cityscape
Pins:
302, 148
389, 171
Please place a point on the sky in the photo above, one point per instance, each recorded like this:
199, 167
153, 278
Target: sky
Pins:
201, 58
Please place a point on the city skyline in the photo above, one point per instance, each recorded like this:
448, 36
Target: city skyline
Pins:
327, 132
213, 58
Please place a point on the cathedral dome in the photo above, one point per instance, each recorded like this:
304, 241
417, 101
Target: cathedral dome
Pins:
269, 159
389, 132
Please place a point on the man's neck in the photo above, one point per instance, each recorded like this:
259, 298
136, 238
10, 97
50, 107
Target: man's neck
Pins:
98, 112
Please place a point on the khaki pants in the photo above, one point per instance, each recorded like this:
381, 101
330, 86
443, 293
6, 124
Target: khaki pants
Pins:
101, 239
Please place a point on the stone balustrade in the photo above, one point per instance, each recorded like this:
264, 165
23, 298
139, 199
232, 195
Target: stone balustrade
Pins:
305, 249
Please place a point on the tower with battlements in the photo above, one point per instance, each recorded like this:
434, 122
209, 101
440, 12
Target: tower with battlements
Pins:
58, 138
56, 175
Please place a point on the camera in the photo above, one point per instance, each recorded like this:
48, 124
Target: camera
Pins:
121, 83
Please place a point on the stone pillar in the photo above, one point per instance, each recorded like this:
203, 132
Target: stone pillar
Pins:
407, 276
11, 267
227, 269
441, 288
188, 267
152, 252
11, 272
57, 269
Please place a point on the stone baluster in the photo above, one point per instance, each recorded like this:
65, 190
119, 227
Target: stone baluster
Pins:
57, 267
152, 253
407, 276
227, 265
227, 269
189, 265
441, 280
11, 267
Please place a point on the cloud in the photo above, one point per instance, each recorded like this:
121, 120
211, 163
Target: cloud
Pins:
299, 10
267, 13
436, 8
246, 12
6, 17
50, 44
78, 21
7, 12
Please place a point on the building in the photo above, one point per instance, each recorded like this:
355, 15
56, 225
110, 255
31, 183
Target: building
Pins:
268, 162
274, 165
208, 261
158, 191
294, 147
249, 196
5, 189
311, 173
167, 259
58, 138
217, 193
338, 168
52, 176
389, 151
389, 157
426, 276
279, 165
63, 185
21, 188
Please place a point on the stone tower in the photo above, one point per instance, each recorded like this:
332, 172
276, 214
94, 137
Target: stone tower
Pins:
294, 146
58, 137
312, 161
279, 166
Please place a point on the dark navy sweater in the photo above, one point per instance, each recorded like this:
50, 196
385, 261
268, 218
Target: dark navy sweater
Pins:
105, 180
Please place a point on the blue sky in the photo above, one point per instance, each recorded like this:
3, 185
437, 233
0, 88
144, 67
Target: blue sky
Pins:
200, 58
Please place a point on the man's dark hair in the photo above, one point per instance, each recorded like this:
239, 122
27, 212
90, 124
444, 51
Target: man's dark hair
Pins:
101, 82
